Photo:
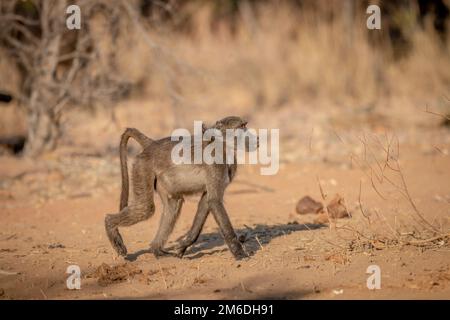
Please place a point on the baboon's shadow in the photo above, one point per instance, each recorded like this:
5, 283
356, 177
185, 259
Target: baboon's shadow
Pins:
255, 239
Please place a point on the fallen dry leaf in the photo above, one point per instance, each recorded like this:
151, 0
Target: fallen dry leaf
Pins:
337, 209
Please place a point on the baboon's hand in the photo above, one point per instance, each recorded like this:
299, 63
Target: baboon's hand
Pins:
159, 252
180, 251
180, 248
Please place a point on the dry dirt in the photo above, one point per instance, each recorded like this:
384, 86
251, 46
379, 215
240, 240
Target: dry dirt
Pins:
52, 212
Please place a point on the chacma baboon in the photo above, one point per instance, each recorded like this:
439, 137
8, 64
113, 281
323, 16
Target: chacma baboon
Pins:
154, 170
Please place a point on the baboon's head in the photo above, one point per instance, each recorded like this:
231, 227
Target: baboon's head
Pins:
239, 126
231, 122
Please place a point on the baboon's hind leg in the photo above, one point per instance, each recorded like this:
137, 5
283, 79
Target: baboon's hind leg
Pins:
171, 211
141, 208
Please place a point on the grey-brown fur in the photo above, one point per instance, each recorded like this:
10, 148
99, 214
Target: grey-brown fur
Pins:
154, 170
144, 141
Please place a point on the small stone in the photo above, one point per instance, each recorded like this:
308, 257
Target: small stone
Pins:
56, 245
337, 292
308, 205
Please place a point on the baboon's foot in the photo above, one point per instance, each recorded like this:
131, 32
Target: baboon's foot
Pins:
120, 248
237, 250
115, 238
117, 243
240, 255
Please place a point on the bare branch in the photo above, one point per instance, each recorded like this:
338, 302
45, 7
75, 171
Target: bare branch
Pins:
437, 114
10, 18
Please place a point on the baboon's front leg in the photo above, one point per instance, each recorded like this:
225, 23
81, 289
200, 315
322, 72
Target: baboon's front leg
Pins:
221, 217
197, 226
171, 211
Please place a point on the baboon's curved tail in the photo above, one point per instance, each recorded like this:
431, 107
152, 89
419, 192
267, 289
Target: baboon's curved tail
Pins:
144, 141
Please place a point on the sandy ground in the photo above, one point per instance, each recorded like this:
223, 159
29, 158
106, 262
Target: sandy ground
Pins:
351, 108
52, 211
292, 258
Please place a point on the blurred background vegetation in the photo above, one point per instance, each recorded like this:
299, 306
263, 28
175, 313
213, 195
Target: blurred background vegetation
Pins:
201, 59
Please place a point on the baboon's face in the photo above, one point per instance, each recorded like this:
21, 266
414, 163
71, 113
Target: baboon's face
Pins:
231, 122
239, 124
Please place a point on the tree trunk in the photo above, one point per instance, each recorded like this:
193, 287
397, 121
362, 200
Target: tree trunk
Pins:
43, 132
43, 125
